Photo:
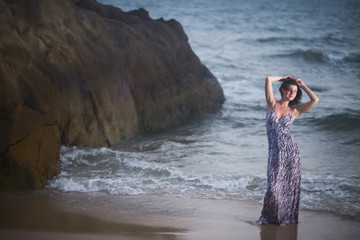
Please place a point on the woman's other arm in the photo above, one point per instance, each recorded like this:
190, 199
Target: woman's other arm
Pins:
303, 108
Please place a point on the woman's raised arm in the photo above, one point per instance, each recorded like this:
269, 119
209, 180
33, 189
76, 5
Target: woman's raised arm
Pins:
269, 92
303, 108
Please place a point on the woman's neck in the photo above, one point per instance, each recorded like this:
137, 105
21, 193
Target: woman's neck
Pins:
283, 103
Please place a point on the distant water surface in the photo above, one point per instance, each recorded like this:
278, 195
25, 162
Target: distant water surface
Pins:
224, 155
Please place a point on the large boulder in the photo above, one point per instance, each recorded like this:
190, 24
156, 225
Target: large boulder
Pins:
76, 72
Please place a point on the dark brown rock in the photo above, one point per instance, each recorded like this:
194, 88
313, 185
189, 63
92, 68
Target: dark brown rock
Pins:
32, 153
80, 73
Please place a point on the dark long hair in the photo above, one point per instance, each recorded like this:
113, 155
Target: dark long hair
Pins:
297, 99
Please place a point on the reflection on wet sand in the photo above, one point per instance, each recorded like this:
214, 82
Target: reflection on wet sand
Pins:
274, 232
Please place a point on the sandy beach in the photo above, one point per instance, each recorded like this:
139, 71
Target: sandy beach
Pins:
54, 215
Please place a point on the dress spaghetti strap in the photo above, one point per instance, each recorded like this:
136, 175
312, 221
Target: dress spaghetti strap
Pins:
273, 108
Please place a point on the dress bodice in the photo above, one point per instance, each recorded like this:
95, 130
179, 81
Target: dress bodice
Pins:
273, 123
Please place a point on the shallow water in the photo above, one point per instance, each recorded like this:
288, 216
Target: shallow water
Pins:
224, 155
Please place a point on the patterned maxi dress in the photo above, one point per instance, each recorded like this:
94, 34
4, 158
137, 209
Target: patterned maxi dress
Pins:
281, 201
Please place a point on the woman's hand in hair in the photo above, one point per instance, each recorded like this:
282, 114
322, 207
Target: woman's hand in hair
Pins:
300, 82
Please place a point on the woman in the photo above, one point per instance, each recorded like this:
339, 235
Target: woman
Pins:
281, 201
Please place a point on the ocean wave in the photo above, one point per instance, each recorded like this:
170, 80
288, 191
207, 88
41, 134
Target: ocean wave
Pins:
352, 58
327, 39
320, 56
340, 187
310, 55
118, 172
344, 122
135, 173
331, 193
281, 39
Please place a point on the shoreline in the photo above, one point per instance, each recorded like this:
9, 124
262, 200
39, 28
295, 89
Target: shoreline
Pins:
49, 214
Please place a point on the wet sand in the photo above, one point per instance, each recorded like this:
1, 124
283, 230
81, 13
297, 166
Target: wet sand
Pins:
53, 215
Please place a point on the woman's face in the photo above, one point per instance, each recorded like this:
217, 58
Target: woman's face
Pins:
289, 92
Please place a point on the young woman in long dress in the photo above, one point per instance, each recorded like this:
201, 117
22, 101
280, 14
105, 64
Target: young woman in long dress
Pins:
282, 197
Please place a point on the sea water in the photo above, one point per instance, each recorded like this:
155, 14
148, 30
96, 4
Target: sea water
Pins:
224, 155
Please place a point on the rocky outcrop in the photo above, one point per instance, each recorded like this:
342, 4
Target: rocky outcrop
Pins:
80, 73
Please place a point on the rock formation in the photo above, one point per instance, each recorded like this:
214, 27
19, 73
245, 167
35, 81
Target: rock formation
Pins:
76, 72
